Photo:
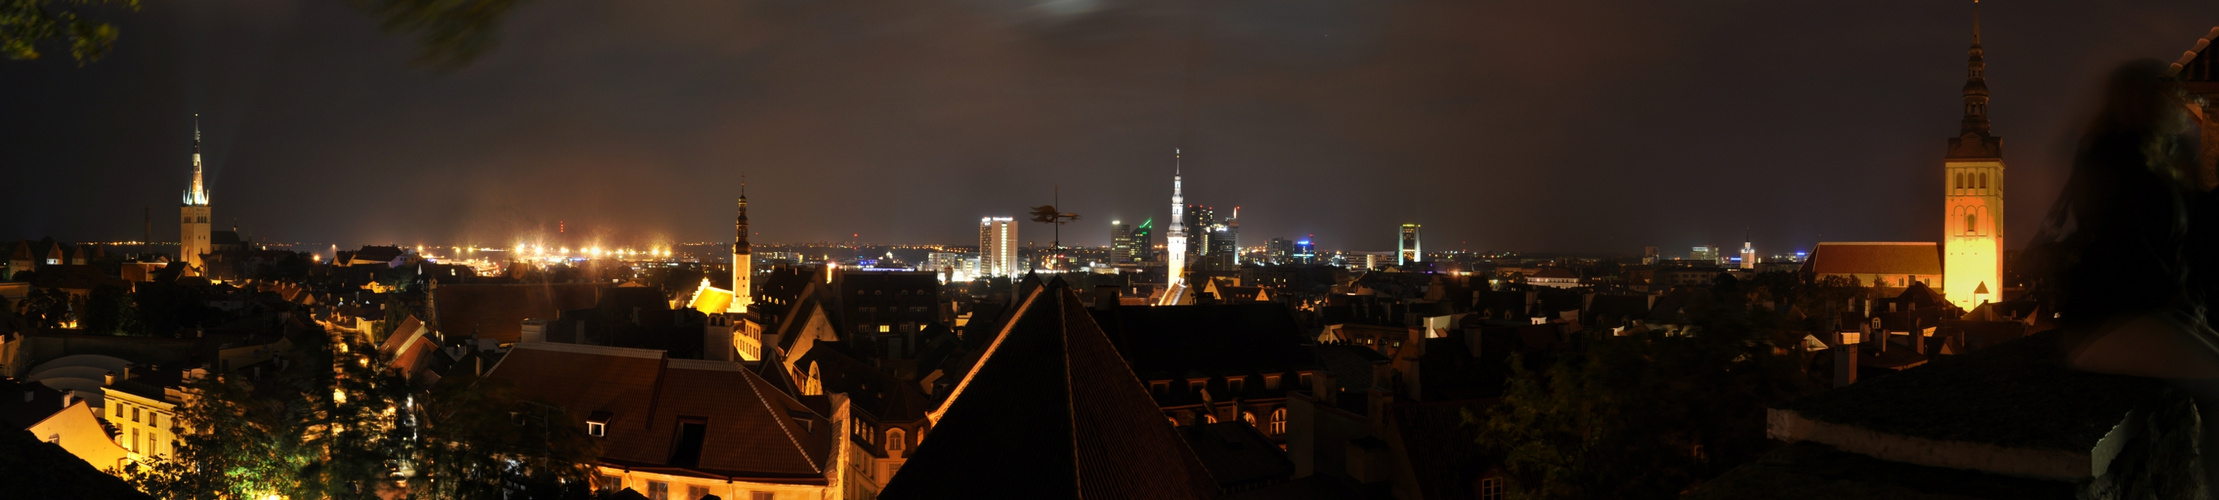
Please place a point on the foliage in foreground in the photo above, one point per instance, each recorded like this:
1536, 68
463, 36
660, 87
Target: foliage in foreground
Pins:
1647, 415
332, 423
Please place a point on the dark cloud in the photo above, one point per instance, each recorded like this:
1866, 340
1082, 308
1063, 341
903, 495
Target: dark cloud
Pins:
1592, 126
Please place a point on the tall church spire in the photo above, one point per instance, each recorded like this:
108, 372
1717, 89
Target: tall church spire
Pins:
198, 194
1976, 82
743, 263
1974, 140
1175, 240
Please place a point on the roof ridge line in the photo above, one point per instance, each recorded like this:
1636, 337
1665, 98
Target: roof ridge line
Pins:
991, 347
780, 418
1070, 397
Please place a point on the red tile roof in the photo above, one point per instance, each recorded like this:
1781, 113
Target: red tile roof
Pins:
1875, 258
754, 432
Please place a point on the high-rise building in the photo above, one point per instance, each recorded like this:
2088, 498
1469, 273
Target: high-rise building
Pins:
1232, 238
1144, 241
1279, 251
1972, 253
1703, 255
1406, 248
192, 235
1748, 254
1199, 219
1175, 241
997, 246
743, 261
1305, 252
1121, 243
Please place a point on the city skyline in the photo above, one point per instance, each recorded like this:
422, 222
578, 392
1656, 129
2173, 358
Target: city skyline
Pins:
487, 171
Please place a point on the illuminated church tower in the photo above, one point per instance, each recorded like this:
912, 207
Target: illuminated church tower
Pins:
743, 264
1972, 243
1175, 240
192, 236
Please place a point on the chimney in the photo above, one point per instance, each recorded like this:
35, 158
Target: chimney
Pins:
1845, 358
126, 371
109, 379
1326, 387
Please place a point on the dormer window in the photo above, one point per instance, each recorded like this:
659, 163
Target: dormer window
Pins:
1236, 384
597, 424
1271, 382
894, 440
1196, 385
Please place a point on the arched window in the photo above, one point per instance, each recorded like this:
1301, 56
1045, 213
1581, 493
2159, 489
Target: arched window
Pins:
1278, 422
1174, 421
1250, 417
1971, 222
1983, 181
893, 439
1209, 419
1960, 181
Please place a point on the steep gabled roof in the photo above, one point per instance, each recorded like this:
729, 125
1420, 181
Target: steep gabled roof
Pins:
754, 431
1058, 413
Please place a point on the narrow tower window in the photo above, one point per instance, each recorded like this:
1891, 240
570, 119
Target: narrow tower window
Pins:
1970, 223
1983, 181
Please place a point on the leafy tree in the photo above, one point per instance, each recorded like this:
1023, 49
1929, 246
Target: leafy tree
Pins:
397, 311
161, 309
27, 24
321, 428
1644, 416
450, 33
481, 439
108, 311
45, 307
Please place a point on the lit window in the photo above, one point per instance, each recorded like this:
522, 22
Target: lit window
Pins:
1278, 422
658, 490
1491, 489
1250, 417
893, 440
597, 429
761, 495
696, 492
885, 328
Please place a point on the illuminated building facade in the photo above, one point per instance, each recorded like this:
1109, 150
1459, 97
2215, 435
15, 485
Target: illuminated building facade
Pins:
1124, 247
192, 235
1175, 241
997, 246
1406, 248
1226, 241
1748, 255
1972, 254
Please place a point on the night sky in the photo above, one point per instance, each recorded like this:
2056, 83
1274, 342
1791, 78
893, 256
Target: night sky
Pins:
1534, 126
